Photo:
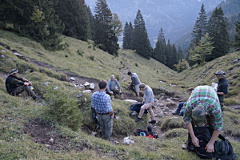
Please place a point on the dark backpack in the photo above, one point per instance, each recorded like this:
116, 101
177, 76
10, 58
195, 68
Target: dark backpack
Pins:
223, 149
204, 135
137, 107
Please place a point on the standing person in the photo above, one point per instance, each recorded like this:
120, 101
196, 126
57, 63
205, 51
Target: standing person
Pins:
135, 83
16, 85
203, 108
148, 100
222, 88
113, 86
101, 102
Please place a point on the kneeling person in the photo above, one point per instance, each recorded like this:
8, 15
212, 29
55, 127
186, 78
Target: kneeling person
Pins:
113, 86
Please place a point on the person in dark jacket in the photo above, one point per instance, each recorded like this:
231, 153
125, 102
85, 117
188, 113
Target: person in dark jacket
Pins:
16, 85
222, 88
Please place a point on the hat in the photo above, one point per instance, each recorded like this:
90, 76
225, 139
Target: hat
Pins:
199, 115
13, 71
220, 72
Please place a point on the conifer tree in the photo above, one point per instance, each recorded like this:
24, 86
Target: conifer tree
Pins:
104, 34
140, 40
127, 36
237, 36
217, 29
200, 27
73, 14
160, 48
200, 51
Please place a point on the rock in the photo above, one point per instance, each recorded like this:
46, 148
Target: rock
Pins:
79, 95
235, 61
86, 84
91, 86
3, 56
131, 100
56, 88
72, 79
87, 91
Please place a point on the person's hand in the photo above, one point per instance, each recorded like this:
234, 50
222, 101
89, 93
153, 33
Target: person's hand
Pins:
112, 116
210, 147
30, 83
111, 92
195, 141
26, 84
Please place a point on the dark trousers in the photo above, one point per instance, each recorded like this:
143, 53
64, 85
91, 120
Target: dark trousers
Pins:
20, 89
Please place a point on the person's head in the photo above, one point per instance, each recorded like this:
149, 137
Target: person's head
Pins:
14, 72
129, 73
102, 84
112, 77
220, 74
199, 115
189, 90
142, 86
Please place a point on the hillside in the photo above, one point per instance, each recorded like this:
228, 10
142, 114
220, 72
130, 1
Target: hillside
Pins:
60, 125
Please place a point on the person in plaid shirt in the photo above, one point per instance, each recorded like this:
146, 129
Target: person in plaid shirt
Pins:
101, 102
203, 108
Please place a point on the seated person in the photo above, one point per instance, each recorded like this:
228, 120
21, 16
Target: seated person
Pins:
180, 110
113, 86
16, 85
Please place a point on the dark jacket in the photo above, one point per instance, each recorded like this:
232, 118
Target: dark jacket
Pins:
12, 83
222, 85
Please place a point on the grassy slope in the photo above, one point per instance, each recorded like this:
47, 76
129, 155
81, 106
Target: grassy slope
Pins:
15, 111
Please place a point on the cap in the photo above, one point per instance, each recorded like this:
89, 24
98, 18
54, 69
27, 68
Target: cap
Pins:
13, 71
199, 115
220, 72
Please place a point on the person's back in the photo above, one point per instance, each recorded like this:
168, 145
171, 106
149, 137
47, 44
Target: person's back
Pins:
12, 83
135, 79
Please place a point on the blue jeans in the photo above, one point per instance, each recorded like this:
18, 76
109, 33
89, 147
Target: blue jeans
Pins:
180, 108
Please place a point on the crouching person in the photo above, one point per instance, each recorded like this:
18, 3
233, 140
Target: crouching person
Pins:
16, 85
148, 100
101, 102
203, 109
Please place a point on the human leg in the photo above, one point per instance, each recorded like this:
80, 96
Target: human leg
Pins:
137, 89
177, 112
30, 92
108, 124
17, 91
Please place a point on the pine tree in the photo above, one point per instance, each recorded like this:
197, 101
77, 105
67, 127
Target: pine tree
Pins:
104, 35
34, 19
200, 27
127, 36
160, 48
90, 23
217, 28
140, 40
200, 51
73, 14
237, 36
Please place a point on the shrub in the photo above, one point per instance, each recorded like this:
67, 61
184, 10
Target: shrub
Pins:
91, 58
63, 109
80, 53
171, 123
176, 133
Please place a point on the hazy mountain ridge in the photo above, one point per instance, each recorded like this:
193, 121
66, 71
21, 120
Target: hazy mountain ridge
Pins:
171, 15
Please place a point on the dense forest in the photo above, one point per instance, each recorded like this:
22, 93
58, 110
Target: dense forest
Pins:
45, 21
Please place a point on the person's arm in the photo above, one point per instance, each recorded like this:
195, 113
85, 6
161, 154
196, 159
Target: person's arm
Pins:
195, 140
109, 106
108, 86
118, 85
210, 145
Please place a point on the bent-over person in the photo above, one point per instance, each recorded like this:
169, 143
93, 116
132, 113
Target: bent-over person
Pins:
203, 109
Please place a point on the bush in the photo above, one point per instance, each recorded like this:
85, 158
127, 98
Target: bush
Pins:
176, 133
170, 123
80, 53
63, 109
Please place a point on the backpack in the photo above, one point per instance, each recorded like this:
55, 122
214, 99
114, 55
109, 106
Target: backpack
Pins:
223, 149
203, 134
137, 107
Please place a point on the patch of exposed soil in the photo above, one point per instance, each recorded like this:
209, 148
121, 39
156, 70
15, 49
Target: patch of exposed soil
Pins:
45, 133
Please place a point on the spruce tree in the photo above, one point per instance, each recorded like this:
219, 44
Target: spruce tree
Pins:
104, 34
203, 49
160, 48
217, 28
73, 14
200, 27
127, 35
140, 40
237, 36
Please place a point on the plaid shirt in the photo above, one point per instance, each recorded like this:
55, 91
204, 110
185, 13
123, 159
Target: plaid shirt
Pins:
101, 102
205, 96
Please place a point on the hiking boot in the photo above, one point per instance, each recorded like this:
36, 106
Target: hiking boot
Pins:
152, 122
175, 113
138, 119
185, 145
